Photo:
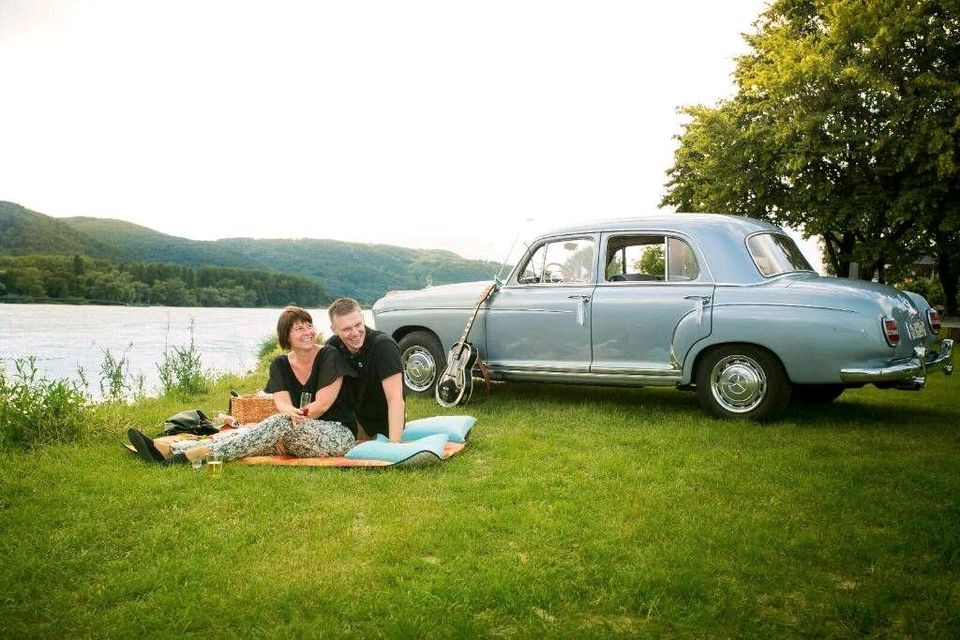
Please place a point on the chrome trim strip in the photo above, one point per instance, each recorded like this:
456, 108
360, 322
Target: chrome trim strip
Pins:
782, 304
634, 379
625, 371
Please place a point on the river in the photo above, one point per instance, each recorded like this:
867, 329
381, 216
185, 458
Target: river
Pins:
67, 337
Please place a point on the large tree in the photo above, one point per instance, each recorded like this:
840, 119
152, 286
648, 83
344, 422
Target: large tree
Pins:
845, 124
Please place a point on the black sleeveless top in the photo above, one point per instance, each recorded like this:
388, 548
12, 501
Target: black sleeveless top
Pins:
328, 365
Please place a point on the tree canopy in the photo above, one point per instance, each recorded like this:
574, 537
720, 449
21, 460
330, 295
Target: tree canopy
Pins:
845, 124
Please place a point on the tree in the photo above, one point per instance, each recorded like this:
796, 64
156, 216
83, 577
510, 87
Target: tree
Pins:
171, 292
652, 261
845, 124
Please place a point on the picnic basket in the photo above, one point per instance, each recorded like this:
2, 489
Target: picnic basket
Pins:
249, 408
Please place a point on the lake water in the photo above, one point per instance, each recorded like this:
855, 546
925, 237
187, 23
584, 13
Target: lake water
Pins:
65, 337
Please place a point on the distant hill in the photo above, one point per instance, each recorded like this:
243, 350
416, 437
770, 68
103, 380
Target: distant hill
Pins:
146, 245
363, 271
25, 232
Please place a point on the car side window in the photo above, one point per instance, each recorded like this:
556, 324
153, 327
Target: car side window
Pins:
681, 262
562, 262
650, 258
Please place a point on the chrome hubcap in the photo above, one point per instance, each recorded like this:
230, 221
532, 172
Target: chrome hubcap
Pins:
738, 383
419, 368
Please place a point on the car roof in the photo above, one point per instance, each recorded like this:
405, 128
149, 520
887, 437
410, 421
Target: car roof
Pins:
720, 238
682, 222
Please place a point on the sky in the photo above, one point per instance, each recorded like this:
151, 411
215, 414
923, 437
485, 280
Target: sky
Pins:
428, 124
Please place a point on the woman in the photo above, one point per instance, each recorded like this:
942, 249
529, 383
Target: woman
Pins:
324, 427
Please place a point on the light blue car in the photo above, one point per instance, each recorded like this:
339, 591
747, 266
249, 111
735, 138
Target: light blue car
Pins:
721, 304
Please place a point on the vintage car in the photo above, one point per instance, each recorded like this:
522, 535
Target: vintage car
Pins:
724, 305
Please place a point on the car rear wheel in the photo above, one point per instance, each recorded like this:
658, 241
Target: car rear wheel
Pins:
423, 362
742, 381
817, 393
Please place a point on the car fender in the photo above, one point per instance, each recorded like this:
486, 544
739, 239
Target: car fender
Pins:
812, 342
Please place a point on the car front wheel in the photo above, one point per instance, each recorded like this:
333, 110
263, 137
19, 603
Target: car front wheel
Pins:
742, 381
423, 362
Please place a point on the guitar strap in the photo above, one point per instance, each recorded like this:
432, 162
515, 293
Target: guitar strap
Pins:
487, 387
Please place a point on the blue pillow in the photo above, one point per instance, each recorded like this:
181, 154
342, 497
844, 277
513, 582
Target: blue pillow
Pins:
393, 452
456, 428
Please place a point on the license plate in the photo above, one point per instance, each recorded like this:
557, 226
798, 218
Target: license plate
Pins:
915, 329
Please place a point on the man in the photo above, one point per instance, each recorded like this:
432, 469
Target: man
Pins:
376, 395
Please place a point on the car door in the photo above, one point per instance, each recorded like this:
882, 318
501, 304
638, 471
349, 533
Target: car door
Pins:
653, 302
540, 319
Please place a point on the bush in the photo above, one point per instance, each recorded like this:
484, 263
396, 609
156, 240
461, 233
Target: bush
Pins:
269, 348
929, 288
36, 412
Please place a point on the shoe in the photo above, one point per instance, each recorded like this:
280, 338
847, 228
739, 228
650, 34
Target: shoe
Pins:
145, 447
177, 458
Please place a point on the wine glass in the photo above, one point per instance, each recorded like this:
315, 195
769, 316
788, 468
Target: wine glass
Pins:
305, 398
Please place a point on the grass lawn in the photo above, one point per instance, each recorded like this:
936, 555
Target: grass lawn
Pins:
573, 512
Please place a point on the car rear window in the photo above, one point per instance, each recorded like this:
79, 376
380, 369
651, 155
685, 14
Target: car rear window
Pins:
775, 253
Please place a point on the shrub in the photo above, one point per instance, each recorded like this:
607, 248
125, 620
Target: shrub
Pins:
36, 411
269, 348
929, 288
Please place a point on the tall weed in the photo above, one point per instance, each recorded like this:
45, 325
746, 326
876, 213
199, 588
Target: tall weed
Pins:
181, 370
117, 384
36, 411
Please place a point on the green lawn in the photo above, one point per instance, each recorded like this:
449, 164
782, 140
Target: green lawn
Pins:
573, 512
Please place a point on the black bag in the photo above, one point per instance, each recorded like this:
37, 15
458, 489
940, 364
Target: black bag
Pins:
193, 421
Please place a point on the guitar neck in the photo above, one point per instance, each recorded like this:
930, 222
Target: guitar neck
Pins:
473, 316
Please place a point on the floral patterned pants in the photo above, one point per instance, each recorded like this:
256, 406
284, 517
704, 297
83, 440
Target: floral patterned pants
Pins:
311, 439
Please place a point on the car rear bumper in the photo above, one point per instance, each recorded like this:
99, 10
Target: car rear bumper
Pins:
911, 371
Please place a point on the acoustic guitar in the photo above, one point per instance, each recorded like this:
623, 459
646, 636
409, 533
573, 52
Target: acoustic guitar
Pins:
455, 386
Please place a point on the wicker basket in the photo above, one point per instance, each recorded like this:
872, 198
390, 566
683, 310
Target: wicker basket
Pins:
248, 409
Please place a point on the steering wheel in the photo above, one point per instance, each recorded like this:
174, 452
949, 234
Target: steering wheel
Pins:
553, 272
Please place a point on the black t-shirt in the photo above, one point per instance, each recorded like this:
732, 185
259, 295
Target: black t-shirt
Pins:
328, 365
378, 359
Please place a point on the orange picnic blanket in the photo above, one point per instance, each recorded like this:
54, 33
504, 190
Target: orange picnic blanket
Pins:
449, 450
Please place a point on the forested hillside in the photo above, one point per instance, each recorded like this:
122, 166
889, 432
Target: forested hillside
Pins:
146, 245
363, 271
23, 232
78, 279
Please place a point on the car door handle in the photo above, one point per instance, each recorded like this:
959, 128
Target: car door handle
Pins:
702, 301
581, 308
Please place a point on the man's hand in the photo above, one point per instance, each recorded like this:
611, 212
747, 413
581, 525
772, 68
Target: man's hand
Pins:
393, 390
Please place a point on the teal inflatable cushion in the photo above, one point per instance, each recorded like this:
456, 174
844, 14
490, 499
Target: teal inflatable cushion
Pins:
456, 428
394, 452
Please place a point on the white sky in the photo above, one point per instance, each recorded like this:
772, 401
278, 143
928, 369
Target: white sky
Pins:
426, 124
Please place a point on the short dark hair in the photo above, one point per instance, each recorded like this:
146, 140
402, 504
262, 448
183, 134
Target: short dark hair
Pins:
342, 307
288, 317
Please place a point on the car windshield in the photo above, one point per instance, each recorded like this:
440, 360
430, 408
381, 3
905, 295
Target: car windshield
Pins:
776, 253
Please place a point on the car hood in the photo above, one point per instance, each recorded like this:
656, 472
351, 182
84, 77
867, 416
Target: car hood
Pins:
463, 294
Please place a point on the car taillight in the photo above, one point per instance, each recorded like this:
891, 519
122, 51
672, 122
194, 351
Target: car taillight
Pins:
891, 330
933, 319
